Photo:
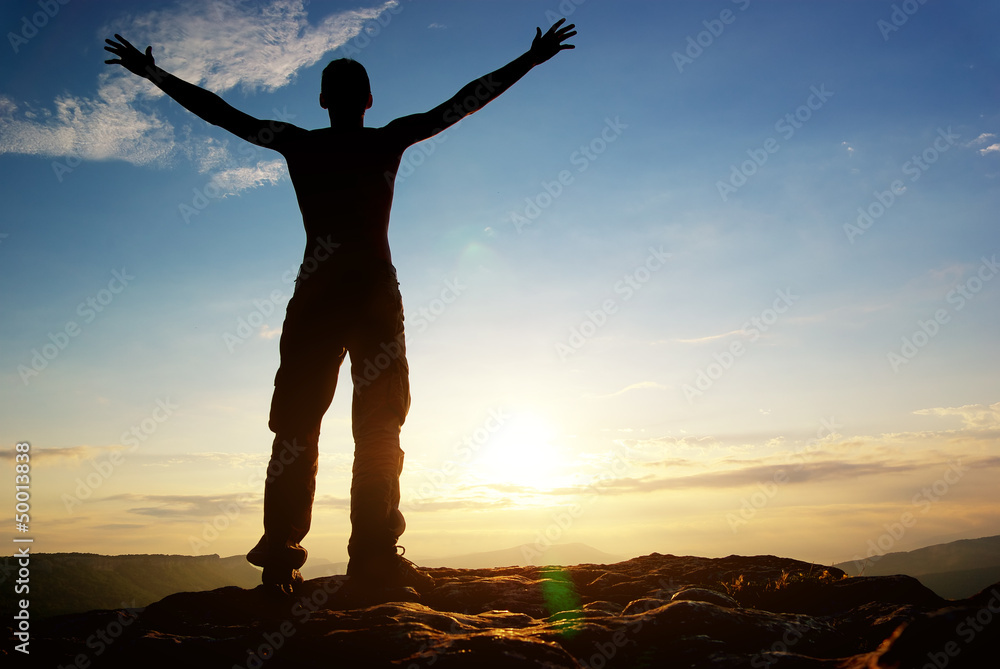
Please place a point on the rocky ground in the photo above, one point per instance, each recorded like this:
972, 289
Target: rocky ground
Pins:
651, 611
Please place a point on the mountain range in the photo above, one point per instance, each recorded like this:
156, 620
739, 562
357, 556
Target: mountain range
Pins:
74, 582
953, 570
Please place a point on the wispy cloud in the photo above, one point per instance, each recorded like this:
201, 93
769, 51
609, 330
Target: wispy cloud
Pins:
120, 527
331, 502
974, 416
185, 507
70, 455
220, 45
452, 504
267, 332
265, 172
753, 473
641, 385
101, 128
985, 138
707, 338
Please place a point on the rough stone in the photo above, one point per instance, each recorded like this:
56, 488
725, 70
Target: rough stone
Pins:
651, 611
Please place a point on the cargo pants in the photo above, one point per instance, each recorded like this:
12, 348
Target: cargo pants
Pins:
344, 310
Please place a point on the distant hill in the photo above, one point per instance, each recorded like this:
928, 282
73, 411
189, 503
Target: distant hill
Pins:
954, 570
75, 582
524, 556
961, 583
319, 567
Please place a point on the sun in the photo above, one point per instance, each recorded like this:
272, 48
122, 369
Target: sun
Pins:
524, 453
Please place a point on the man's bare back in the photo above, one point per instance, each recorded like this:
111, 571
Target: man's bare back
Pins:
343, 181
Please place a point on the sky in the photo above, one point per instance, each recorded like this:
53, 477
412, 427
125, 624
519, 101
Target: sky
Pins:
722, 279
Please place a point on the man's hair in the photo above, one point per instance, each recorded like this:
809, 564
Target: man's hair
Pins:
345, 86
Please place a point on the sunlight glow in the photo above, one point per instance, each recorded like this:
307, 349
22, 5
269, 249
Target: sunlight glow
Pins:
523, 453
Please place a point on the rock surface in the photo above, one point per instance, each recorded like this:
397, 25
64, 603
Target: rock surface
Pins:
651, 611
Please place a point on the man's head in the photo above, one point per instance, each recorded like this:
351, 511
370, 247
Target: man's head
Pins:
345, 89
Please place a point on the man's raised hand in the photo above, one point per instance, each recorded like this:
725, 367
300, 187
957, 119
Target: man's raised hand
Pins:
545, 46
130, 58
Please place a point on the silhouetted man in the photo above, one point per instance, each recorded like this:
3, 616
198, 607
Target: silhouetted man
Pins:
346, 300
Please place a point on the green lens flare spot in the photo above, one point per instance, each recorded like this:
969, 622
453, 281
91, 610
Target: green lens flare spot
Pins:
561, 599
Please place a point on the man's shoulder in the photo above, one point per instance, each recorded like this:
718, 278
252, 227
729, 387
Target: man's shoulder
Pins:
376, 138
339, 133
328, 148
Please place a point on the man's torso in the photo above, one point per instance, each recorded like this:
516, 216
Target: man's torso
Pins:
343, 181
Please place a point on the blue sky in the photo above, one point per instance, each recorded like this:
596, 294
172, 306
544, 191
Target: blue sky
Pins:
681, 349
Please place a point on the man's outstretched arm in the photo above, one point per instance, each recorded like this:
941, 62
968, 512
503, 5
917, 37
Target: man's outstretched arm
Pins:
478, 93
205, 104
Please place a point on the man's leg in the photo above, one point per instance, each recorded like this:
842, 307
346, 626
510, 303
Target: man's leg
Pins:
381, 401
289, 491
303, 389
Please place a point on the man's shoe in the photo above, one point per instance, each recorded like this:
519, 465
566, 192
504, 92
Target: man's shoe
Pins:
281, 567
264, 555
387, 571
281, 580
